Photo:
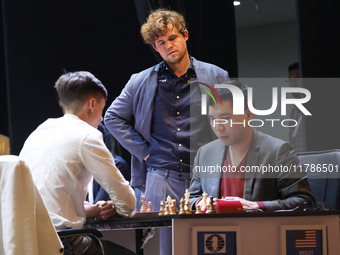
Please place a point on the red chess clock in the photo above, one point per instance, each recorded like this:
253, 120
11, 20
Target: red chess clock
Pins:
226, 206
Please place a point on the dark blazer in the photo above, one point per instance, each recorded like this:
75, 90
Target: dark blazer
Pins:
130, 115
280, 190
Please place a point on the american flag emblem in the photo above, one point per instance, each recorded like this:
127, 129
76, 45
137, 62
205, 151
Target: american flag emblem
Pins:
305, 239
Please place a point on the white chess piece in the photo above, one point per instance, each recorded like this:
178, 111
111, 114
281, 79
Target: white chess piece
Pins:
205, 196
143, 208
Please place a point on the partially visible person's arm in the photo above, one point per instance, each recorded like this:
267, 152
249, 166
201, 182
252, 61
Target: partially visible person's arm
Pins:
195, 188
4, 145
293, 187
119, 119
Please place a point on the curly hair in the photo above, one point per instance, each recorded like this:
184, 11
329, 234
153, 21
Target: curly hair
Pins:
157, 24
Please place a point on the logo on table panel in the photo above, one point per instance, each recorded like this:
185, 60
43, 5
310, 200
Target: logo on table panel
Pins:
215, 244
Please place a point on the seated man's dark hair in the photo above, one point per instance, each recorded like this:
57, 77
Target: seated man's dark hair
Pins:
225, 94
75, 88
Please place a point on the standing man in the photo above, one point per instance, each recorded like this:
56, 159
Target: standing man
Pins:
158, 112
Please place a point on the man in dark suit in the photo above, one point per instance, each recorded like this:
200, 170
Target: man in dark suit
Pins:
245, 164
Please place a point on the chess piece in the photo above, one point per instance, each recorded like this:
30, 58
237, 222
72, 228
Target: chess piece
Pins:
174, 205
187, 195
172, 209
150, 207
205, 195
168, 200
143, 208
181, 207
171, 202
198, 209
167, 210
187, 207
212, 206
161, 209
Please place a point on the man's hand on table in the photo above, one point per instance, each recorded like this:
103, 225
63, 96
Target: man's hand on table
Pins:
246, 204
106, 209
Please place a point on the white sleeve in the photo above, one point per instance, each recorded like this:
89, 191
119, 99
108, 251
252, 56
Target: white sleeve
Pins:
99, 161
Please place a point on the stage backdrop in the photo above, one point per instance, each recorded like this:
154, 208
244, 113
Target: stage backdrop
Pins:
319, 26
45, 38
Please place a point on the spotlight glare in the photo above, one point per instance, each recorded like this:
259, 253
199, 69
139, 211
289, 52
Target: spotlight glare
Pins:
236, 3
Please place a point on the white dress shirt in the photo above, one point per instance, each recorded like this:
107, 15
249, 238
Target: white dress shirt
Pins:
63, 155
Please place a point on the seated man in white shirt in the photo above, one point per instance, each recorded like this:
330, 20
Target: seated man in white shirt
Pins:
64, 153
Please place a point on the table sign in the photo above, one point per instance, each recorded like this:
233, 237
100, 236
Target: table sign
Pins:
303, 240
221, 240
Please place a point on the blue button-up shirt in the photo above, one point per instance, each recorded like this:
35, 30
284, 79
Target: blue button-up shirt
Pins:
177, 123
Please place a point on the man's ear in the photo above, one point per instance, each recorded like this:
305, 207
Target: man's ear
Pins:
90, 103
186, 35
154, 46
249, 114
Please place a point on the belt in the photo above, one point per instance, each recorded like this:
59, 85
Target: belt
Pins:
170, 173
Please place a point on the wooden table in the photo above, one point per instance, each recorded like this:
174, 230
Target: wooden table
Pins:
259, 232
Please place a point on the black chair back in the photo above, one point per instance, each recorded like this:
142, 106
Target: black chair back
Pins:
323, 176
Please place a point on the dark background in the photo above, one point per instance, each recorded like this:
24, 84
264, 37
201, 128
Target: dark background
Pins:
40, 39
43, 38
319, 34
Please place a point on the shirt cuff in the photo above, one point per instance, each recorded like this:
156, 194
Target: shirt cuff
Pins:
261, 206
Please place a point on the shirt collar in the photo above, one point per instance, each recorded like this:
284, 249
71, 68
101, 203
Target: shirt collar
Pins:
70, 115
163, 67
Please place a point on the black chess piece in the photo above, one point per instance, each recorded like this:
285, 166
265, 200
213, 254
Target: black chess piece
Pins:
212, 206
